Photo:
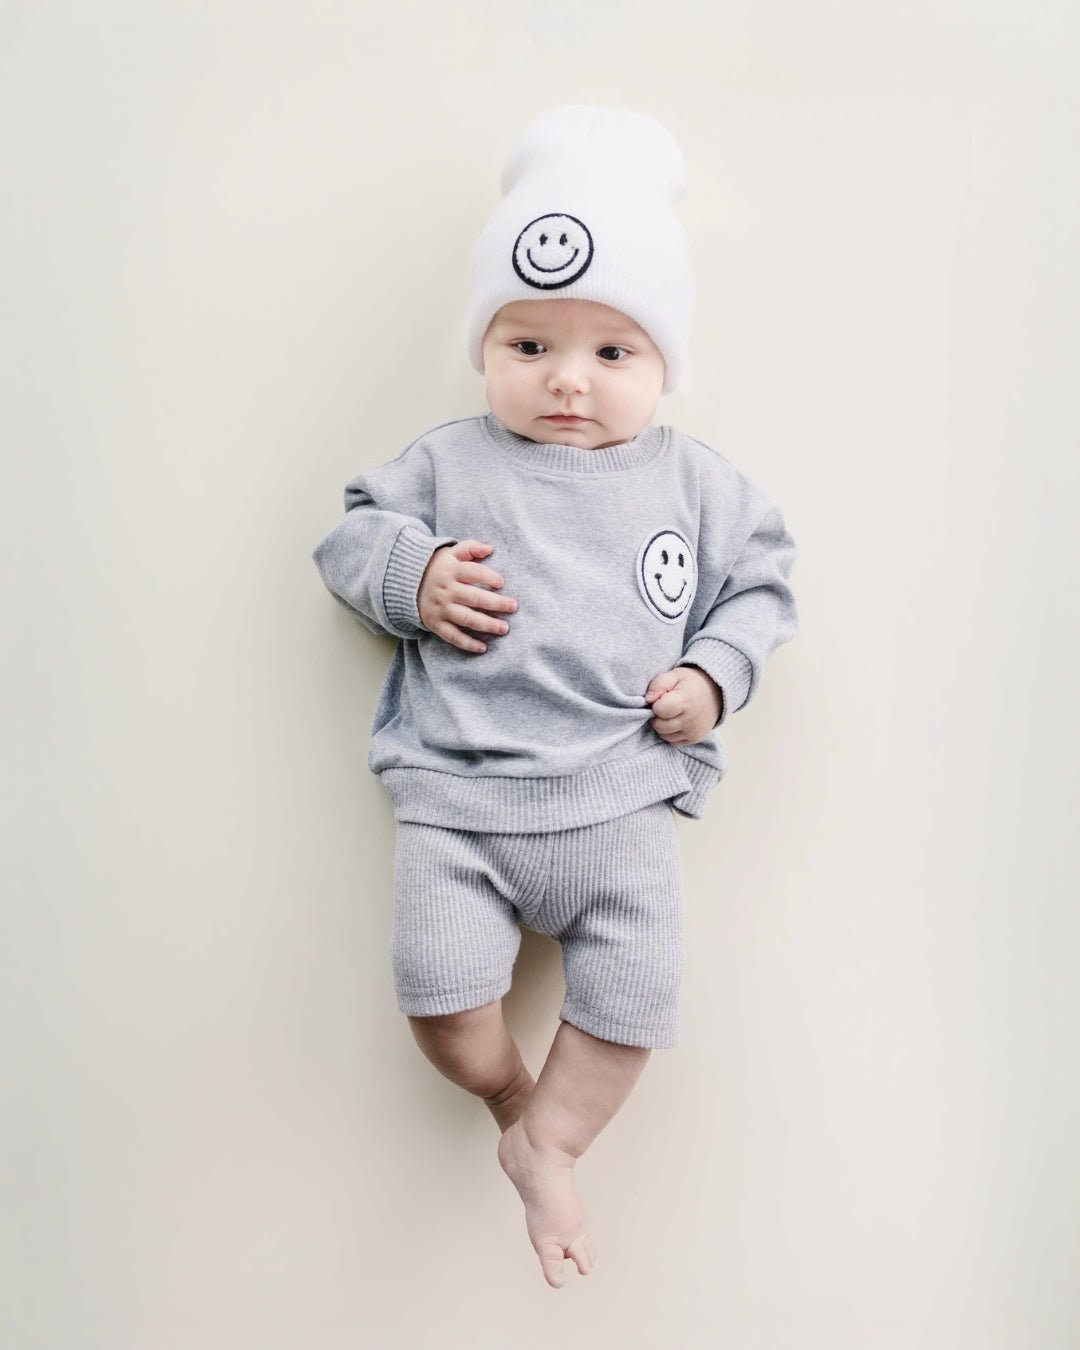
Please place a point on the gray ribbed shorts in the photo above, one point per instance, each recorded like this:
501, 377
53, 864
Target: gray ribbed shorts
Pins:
611, 893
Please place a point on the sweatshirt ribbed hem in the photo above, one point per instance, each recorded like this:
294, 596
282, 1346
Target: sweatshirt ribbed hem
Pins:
504, 805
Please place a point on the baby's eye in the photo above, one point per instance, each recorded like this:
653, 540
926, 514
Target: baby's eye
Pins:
528, 342
605, 352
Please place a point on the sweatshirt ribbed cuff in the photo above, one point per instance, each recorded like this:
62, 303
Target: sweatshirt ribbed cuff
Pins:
405, 566
726, 665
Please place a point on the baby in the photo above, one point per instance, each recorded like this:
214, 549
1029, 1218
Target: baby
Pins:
581, 598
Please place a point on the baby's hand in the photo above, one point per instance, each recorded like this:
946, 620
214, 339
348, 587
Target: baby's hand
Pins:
449, 599
687, 704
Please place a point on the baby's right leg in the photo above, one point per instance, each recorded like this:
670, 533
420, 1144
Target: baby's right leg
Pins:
475, 1050
454, 942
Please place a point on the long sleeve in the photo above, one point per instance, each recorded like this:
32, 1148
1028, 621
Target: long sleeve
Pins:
374, 560
754, 612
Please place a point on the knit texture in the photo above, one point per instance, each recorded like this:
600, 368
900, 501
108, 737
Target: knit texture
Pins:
625, 562
610, 893
588, 213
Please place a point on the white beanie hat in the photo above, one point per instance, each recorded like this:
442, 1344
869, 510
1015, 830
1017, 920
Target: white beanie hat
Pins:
587, 214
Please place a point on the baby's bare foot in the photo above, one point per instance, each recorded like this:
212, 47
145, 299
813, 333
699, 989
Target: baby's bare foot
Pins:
554, 1215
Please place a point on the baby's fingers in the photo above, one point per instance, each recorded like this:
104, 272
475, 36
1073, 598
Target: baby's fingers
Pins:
465, 617
670, 704
477, 598
674, 730
478, 574
456, 638
471, 548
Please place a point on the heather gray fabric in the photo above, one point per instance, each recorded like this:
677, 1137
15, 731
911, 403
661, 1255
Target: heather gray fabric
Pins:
611, 893
625, 562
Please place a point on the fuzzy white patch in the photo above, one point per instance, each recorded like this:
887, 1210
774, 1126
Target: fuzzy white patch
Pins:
667, 574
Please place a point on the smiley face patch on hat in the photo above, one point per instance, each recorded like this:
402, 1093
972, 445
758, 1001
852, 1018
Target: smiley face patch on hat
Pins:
552, 251
667, 574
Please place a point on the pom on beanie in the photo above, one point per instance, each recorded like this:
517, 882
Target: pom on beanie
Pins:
588, 214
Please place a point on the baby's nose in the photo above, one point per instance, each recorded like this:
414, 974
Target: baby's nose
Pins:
569, 376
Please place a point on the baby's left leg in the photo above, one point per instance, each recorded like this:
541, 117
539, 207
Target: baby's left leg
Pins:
614, 901
581, 1086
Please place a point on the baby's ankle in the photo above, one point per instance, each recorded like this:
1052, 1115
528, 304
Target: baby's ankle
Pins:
508, 1104
544, 1146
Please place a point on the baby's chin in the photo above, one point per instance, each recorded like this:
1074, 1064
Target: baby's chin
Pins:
587, 435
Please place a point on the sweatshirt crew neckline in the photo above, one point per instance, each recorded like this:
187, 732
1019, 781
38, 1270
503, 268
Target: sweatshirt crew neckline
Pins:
553, 457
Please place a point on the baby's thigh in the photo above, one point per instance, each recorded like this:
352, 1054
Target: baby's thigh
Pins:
615, 903
455, 936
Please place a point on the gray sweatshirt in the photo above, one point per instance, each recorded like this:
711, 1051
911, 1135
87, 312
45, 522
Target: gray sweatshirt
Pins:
625, 562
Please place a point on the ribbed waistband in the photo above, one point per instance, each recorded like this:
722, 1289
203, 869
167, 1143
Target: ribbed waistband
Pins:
504, 805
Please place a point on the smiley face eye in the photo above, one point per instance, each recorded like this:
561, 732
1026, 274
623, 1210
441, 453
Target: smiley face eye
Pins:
562, 240
543, 239
682, 561
663, 556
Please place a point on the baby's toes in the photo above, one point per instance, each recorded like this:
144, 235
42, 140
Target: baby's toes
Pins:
582, 1253
552, 1257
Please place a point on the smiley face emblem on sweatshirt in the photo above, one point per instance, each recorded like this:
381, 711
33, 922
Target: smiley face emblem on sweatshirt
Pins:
667, 574
552, 251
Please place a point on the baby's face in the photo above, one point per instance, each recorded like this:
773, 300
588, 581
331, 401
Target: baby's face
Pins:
544, 357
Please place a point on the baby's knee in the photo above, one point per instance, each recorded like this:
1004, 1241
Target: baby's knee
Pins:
472, 1047
454, 1024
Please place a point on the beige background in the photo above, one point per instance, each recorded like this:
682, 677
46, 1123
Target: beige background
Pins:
233, 267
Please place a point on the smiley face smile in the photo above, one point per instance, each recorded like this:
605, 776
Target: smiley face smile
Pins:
528, 254
664, 593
